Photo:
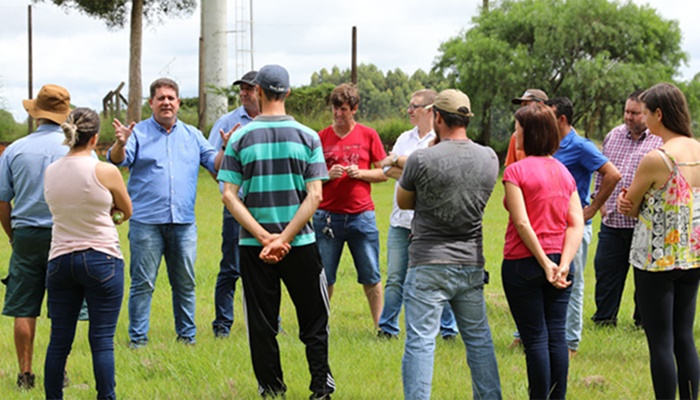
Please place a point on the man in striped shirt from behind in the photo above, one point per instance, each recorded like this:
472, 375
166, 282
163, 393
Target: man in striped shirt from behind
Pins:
279, 164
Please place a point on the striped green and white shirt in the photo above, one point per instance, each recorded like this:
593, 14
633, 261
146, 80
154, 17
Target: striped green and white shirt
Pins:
272, 159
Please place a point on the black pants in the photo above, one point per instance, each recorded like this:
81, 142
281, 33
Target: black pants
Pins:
611, 267
667, 302
302, 273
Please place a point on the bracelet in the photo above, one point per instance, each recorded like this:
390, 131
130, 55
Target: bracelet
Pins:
223, 147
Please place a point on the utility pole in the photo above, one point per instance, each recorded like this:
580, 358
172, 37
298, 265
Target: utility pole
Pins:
353, 62
30, 120
213, 62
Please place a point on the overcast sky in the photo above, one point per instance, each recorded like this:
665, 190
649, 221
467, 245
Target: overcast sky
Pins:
82, 55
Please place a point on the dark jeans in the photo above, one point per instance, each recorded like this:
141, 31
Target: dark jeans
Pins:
229, 272
302, 273
667, 302
611, 265
98, 278
539, 310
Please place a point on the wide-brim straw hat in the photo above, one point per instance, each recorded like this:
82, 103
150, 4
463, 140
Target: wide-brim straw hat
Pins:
52, 103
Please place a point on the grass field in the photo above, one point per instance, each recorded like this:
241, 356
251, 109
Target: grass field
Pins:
612, 363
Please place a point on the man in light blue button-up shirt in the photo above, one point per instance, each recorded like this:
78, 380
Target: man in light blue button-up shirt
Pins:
163, 155
28, 223
229, 270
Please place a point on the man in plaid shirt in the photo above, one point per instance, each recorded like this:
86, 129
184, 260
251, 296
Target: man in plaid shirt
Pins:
625, 146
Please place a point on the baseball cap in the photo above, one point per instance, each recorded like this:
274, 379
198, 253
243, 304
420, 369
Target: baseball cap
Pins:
248, 78
453, 101
273, 78
52, 103
532, 95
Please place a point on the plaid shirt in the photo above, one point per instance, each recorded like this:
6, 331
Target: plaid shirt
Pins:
625, 153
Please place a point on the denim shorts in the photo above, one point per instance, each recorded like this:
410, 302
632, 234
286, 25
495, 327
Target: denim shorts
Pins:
362, 236
26, 281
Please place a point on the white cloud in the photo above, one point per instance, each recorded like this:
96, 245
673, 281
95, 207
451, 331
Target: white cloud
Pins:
305, 35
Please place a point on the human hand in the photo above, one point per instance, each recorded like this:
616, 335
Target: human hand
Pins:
225, 136
388, 161
623, 205
336, 172
354, 171
274, 250
588, 213
117, 215
560, 278
121, 132
550, 270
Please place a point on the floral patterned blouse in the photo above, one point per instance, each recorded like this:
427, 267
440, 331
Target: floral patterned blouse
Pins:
667, 235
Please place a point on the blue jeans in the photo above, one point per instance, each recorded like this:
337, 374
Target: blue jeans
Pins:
574, 315
539, 310
397, 243
149, 244
229, 272
360, 232
98, 278
428, 288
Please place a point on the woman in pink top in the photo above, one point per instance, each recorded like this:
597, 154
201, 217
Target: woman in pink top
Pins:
86, 198
665, 251
545, 228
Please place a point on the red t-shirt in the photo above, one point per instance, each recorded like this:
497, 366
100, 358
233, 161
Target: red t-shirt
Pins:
361, 147
547, 187
513, 154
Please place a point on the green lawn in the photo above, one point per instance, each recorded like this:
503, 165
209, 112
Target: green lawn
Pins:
611, 364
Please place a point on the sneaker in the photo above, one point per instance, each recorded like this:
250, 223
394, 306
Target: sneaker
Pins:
25, 381
320, 396
137, 344
449, 338
386, 335
220, 332
187, 340
605, 323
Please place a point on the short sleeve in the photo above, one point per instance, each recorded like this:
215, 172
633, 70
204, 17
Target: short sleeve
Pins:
6, 190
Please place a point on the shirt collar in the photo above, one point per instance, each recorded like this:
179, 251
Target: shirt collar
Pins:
628, 134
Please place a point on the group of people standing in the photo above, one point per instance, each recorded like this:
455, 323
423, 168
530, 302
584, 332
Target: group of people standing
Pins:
293, 197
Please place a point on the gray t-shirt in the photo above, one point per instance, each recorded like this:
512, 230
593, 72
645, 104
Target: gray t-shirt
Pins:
453, 181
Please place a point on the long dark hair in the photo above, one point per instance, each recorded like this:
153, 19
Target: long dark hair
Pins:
674, 108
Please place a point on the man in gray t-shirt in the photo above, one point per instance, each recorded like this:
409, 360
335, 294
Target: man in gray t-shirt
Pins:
448, 186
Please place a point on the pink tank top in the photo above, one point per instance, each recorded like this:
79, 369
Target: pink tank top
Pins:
80, 206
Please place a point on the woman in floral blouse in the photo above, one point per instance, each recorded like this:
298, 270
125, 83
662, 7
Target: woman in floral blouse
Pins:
665, 252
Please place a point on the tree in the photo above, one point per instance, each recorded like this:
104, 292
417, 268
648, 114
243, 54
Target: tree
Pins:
594, 51
114, 13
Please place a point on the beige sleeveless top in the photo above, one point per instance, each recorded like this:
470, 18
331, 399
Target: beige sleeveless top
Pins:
80, 206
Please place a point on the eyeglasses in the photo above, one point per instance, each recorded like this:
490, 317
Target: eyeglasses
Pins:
412, 106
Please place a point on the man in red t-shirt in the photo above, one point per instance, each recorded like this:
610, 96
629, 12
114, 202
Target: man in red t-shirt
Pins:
530, 96
346, 214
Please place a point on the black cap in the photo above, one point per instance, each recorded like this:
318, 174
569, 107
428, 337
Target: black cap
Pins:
248, 78
273, 78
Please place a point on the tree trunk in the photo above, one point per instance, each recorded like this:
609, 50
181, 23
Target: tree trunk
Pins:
485, 6
135, 96
485, 137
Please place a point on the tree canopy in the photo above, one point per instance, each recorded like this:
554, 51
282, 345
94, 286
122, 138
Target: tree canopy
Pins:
114, 13
595, 52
